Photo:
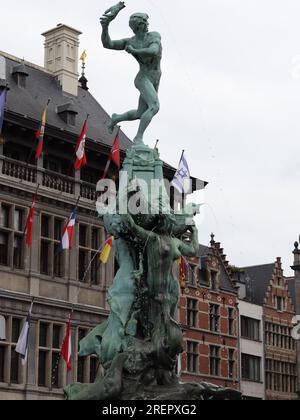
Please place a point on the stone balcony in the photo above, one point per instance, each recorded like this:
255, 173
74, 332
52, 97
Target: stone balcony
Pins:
73, 187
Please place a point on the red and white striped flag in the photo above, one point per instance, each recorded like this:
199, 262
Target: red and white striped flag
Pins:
66, 350
67, 238
81, 160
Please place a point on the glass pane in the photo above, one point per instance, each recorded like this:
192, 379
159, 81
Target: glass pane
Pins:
94, 365
58, 226
2, 363
14, 367
18, 252
55, 369
56, 344
82, 262
16, 330
45, 227
58, 261
4, 216
42, 368
44, 259
95, 269
80, 369
95, 239
83, 235
3, 248
43, 339
18, 220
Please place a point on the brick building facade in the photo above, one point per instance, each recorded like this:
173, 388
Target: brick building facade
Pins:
209, 317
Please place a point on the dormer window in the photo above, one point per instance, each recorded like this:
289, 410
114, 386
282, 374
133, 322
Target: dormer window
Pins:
20, 75
67, 113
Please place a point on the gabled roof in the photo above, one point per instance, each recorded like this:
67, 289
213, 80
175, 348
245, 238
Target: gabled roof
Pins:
226, 281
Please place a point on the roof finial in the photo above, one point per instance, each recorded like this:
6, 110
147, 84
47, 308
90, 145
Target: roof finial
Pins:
83, 80
212, 238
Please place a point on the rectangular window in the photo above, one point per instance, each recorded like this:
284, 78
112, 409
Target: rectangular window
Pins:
15, 330
45, 226
231, 321
214, 278
94, 366
215, 360
2, 363
250, 328
231, 363
192, 357
14, 367
42, 375
214, 313
4, 248
251, 368
83, 235
4, 216
280, 303
19, 220
45, 258
43, 337
18, 252
192, 313
82, 265
56, 337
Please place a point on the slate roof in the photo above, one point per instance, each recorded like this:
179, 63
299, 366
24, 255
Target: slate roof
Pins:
292, 289
259, 278
42, 85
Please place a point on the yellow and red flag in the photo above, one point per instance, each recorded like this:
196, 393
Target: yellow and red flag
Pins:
105, 253
41, 132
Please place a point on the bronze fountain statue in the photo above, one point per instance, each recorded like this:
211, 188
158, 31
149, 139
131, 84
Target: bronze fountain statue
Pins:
139, 344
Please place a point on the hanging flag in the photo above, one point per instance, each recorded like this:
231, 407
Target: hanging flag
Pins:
80, 149
66, 350
182, 272
67, 238
30, 221
41, 132
182, 179
115, 155
2, 106
22, 345
105, 253
115, 152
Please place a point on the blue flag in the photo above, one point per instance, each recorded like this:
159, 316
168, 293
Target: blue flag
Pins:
182, 179
2, 106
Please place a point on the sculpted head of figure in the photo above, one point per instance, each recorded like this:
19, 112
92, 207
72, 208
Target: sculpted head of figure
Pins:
139, 22
165, 224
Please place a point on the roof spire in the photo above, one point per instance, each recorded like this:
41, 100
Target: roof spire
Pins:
83, 80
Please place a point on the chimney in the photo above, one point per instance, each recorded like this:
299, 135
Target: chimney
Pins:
61, 56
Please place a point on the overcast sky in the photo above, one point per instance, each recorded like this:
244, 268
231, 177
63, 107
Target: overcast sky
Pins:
230, 96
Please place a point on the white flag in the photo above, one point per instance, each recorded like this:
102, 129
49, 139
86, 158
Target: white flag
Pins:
22, 346
182, 179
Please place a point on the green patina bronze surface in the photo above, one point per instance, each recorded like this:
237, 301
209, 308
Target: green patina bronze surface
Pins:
138, 346
146, 48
